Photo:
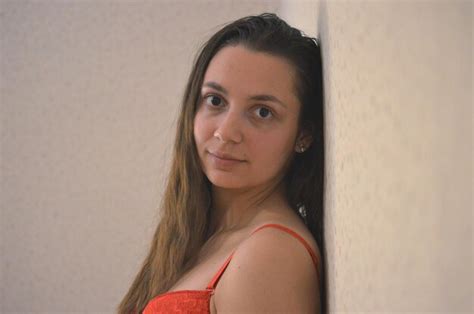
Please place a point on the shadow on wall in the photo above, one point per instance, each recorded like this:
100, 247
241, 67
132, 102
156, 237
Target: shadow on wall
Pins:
322, 37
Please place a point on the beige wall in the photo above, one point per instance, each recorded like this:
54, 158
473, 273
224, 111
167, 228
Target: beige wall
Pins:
89, 92
88, 102
398, 78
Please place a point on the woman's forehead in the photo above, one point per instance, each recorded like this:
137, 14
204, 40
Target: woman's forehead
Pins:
241, 70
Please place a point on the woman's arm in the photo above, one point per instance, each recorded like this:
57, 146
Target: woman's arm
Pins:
270, 272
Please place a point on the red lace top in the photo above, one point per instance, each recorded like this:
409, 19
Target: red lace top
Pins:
198, 301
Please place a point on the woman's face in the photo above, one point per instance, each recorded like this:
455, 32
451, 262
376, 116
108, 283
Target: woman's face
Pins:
246, 122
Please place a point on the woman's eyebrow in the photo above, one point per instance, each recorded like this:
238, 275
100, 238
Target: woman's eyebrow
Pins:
217, 87
263, 97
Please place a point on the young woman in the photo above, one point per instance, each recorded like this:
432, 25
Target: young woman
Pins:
241, 229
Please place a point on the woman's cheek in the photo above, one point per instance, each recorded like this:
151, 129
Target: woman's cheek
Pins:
202, 131
276, 148
198, 132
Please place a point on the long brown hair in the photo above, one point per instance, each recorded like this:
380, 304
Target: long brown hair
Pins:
186, 204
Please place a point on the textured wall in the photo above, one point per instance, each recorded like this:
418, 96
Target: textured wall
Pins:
398, 78
89, 91
88, 101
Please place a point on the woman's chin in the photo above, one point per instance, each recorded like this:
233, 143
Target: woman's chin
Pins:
226, 181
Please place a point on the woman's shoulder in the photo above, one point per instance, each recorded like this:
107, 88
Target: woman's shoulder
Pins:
280, 237
292, 224
272, 267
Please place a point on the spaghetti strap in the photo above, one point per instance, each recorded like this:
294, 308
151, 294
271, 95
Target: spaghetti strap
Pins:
212, 284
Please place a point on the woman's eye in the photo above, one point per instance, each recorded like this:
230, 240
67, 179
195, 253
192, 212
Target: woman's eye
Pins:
264, 113
213, 100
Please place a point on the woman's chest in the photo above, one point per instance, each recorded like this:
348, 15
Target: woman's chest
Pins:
211, 257
200, 280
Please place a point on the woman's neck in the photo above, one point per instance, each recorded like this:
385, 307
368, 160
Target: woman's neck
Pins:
235, 209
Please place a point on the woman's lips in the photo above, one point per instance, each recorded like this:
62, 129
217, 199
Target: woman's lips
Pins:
225, 163
225, 156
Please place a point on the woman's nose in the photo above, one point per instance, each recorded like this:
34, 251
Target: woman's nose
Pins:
229, 128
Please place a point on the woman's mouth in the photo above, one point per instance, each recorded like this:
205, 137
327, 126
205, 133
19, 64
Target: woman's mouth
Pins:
224, 161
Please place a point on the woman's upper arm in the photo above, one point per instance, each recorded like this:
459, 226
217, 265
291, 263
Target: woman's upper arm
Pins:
270, 272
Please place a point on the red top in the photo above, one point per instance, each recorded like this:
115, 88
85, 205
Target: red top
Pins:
198, 301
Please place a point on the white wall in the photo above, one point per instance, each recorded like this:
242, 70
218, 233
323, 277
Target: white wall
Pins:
89, 93
398, 82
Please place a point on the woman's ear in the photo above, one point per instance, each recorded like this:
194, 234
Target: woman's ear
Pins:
304, 139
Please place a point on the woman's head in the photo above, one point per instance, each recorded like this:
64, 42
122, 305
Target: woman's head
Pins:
250, 56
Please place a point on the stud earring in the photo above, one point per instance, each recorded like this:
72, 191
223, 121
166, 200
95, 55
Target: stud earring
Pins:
300, 148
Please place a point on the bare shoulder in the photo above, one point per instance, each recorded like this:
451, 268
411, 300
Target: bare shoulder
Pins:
271, 271
289, 219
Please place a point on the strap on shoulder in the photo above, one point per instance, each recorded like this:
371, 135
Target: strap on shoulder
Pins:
212, 284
